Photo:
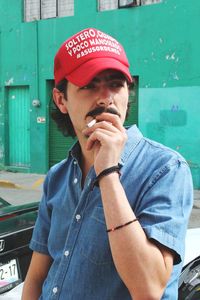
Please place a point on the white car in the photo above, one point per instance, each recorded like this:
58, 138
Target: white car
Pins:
189, 283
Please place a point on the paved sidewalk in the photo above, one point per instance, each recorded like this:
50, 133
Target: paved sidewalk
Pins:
19, 188
21, 180
197, 198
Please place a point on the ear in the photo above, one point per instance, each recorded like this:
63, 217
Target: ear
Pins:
59, 100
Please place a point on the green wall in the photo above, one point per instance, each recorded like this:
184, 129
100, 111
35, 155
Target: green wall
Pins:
162, 44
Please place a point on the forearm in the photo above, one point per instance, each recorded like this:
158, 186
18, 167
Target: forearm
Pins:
37, 272
31, 290
136, 258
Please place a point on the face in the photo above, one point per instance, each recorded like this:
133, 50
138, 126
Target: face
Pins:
107, 90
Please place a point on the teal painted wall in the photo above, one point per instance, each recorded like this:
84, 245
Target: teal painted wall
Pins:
18, 67
162, 45
171, 116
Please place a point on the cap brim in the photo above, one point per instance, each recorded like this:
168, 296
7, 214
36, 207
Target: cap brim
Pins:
88, 70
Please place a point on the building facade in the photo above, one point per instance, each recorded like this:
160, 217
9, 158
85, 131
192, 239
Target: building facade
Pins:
162, 44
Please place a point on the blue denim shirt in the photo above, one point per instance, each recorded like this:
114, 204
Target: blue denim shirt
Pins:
71, 225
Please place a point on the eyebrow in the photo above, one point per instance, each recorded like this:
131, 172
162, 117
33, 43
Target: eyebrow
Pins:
109, 77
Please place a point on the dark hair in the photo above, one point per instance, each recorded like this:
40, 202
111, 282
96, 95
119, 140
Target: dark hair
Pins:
63, 121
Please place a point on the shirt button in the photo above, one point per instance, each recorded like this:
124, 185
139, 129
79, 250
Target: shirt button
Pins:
75, 162
55, 290
78, 217
66, 253
75, 180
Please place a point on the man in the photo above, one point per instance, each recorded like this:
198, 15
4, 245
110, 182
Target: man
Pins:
114, 213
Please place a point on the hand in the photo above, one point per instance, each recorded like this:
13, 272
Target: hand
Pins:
107, 139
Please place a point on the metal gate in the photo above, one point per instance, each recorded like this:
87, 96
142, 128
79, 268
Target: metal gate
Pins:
133, 99
18, 126
59, 145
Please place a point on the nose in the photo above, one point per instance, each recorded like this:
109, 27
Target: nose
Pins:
105, 100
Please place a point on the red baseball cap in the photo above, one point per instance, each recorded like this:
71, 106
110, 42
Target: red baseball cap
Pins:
85, 54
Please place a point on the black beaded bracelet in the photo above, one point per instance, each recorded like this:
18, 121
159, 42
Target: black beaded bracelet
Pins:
105, 173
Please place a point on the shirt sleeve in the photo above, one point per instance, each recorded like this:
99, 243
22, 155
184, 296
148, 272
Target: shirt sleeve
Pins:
166, 206
40, 235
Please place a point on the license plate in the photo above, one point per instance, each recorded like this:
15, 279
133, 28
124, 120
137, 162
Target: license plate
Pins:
9, 275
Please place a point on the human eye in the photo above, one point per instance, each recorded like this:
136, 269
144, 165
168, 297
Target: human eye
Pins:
89, 86
117, 83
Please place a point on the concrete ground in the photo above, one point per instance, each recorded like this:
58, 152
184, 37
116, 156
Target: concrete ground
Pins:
195, 215
19, 188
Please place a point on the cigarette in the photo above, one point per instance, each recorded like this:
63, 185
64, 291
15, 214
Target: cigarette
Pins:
91, 123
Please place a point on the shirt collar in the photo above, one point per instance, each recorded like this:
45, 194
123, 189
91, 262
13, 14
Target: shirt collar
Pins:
75, 151
134, 137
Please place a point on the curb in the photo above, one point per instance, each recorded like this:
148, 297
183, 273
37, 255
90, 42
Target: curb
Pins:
12, 185
9, 184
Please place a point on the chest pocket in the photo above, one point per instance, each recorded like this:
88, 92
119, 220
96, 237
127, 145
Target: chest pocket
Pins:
94, 239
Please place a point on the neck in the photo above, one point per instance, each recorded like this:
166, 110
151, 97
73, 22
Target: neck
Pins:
87, 159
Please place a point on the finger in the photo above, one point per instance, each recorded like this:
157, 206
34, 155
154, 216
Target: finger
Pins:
100, 136
114, 119
104, 125
105, 138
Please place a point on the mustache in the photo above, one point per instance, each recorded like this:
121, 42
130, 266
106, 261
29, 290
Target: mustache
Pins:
99, 110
